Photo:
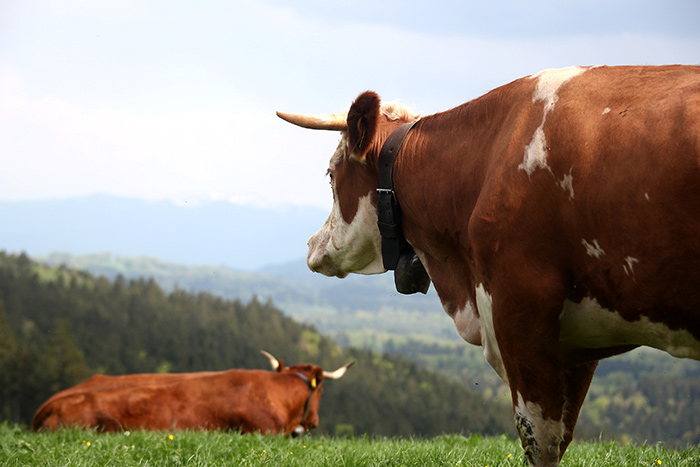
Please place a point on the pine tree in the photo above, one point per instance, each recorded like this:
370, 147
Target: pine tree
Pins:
64, 361
8, 355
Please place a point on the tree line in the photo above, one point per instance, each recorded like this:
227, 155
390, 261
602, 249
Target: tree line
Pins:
59, 325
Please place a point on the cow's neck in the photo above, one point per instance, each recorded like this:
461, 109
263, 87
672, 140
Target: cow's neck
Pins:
435, 221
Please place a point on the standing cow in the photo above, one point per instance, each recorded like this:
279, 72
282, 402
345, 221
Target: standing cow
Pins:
284, 401
558, 218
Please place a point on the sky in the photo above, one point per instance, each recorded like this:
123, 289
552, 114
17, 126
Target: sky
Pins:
175, 100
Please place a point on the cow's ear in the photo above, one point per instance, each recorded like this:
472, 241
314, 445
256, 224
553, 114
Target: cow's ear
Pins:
318, 377
362, 124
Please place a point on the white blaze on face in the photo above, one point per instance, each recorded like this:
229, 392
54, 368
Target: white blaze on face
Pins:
548, 84
340, 248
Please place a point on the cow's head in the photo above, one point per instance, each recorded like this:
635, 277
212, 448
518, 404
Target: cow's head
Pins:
313, 376
349, 241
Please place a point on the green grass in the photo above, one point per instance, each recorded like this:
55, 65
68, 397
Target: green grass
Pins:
19, 447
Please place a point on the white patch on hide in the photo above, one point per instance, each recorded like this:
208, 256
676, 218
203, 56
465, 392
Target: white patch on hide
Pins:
339, 248
593, 250
535, 152
488, 334
468, 324
606, 111
540, 437
646, 195
629, 264
589, 325
548, 84
567, 183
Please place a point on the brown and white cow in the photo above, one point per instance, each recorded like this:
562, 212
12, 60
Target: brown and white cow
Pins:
282, 401
558, 217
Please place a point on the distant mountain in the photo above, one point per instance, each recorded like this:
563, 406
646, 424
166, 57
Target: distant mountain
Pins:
219, 233
291, 286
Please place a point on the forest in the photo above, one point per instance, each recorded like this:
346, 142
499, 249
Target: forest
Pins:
59, 325
644, 395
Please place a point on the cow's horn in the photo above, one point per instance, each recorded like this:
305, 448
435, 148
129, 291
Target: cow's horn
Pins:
273, 361
337, 122
337, 374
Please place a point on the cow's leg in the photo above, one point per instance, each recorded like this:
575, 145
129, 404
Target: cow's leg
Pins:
526, 325
255, 420
577, 380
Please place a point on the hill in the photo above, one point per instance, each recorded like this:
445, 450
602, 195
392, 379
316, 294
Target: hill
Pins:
643, 395
59, 325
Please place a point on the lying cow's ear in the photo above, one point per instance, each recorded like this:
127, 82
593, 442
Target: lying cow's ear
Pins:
317, 377
362, 124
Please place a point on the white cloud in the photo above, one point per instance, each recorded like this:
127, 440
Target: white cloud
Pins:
59, 149
156, 100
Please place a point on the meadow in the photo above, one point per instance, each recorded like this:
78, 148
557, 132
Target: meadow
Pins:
73, 447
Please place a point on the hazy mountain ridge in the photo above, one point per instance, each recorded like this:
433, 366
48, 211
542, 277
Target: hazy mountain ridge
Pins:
221, 233
291, 286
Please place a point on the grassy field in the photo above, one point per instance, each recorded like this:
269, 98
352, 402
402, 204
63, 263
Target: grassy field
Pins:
19, 447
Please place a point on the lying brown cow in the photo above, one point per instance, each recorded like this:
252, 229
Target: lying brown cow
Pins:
284, 401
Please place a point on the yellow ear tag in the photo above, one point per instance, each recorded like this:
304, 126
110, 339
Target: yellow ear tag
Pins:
313, 383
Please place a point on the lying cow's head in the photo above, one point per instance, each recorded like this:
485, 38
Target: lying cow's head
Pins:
349, 241
313, 376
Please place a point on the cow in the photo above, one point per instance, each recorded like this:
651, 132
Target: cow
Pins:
557, 217
283, 401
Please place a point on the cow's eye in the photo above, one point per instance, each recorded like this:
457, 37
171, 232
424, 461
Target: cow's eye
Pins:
330, 175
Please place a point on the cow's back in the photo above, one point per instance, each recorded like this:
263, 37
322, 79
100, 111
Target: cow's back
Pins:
226, 399
626, 161
110, 403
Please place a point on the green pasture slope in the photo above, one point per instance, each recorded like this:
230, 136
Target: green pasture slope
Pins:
19, 447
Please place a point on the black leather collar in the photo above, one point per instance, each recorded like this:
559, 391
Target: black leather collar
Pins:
388, 209
409, 274
312, 386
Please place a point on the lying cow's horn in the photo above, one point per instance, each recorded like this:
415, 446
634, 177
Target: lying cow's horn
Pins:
337, 122
273, 361
337, 374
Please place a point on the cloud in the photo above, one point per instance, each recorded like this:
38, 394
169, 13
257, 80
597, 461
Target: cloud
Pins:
195, 155
171, 101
